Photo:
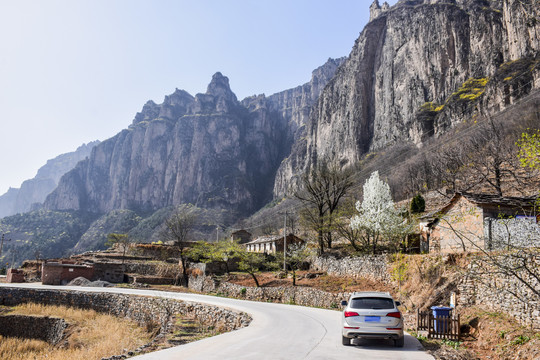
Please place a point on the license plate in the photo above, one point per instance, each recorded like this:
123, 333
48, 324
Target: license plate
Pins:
372, 319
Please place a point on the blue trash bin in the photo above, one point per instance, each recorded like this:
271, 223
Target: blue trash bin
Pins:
441, 313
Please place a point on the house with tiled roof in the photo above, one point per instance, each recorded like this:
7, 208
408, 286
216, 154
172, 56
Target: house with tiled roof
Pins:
272, 244
475, 222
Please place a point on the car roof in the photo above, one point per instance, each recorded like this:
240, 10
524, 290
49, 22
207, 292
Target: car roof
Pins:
358, 294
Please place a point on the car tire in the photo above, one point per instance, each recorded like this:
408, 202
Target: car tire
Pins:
345, 341
399, 342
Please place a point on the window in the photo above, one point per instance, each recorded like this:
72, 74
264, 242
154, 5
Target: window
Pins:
373, 303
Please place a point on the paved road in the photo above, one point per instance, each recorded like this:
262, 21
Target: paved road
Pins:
277, 331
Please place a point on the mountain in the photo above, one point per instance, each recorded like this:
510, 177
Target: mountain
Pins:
210, 150
418, 69
34, 191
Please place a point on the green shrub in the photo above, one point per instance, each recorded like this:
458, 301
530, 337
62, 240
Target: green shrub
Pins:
471, 89
520, 340
418, 204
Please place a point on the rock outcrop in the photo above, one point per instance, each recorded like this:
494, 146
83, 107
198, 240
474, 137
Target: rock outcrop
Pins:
419, 57
210, 150
417, 69
33, 192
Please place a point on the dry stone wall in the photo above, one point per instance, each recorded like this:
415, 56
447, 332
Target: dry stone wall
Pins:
477, 286
138, 308
518, 232
371, 267
49, 329
374, 267
488, 286
286, 295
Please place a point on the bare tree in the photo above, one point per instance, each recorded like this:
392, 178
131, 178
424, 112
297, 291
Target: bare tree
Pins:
339, 183
449, 165
178, 228
297, 255
493, 156
344, 229
122, 240
313, 193
252, 263
268, 229
322, 190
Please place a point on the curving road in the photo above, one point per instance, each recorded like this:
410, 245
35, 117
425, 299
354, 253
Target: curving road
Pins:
277, 331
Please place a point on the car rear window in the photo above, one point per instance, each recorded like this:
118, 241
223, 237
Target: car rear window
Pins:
372, 303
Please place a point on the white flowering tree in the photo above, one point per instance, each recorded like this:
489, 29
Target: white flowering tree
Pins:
378, 219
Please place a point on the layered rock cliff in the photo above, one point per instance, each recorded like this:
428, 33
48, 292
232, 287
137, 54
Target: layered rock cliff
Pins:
417, 69
34, 191
210, 150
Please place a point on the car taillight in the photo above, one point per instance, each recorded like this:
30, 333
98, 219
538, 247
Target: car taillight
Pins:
396, 314
350, 313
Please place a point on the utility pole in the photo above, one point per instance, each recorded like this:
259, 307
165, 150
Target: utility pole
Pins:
285, 243
2, 243
14, 252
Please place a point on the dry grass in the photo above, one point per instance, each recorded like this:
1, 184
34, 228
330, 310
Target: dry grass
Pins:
424, 281
14, 348
495, 334
428, 280
91, 335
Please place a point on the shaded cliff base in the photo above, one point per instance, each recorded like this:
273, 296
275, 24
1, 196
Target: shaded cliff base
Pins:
411, 169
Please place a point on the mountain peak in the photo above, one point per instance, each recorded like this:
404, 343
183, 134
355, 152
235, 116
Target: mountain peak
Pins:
219, 87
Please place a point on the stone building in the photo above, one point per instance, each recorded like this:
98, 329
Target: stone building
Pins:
474, 222
242, 235
271, 244
63, 271
15, 276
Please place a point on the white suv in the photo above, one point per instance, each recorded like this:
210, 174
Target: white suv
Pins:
372, 315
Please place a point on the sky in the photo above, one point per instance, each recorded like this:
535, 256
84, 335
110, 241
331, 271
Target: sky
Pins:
75, 71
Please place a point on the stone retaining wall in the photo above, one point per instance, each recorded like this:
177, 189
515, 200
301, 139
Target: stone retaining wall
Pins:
138, 308
150, 280
519, 232
487, 286
283, 294
49, 329
374, 267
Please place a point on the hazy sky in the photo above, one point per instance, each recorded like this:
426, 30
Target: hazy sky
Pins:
74, 71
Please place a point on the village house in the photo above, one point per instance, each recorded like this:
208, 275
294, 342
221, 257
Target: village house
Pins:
15, 276
242, 235
63, 271
474, 222
271, 244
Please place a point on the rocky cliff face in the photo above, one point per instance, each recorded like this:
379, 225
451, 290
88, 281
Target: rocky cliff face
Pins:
406, 78
210, 150
417, 69
34, 191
